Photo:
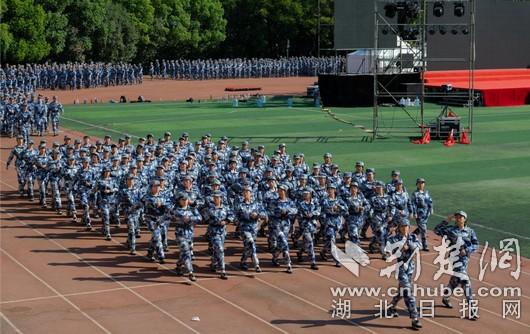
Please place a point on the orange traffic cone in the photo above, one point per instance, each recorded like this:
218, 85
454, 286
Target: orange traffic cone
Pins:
425, 139
464, 139
450, 141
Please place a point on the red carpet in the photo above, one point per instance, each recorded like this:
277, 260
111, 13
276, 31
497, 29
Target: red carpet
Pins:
508, 87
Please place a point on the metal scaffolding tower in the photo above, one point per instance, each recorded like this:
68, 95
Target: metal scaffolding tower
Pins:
410, 28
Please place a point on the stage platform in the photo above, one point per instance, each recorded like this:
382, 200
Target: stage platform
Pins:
500, 87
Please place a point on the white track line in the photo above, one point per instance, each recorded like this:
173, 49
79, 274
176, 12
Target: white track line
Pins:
140, 296
213, 293
103, 273
270, 285
489, 311
220, 297
456, 299
313, 304
55, 291
78, 294
198, 285
343, 284
3, 316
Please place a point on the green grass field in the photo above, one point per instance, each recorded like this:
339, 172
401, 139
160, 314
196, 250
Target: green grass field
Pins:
490, 179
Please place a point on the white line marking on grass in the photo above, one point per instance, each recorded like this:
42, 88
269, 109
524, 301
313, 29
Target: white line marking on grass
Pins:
55, 291
492, 229
98, 126
10, 323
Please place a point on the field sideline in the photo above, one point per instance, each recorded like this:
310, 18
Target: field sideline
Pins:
489, 179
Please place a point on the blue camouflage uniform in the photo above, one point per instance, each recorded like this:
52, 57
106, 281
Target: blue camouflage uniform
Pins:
29, 169
54, 176
332, 212
131, 202
217, 219
41, 163
55, 110
248, 215
405, 268
69, 173
308, 213
107, 190
155, 207
357, 207
422, 207
469, 242
17, 153
282, 213
381, 212
185, 219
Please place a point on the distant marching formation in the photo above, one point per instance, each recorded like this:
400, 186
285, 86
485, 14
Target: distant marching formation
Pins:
30, 77
176, 183
239, 68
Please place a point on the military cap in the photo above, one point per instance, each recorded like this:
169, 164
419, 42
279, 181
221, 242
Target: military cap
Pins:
420, 180
284, 187
347, 174
396, 172
331, 185
370, 170
354, 184
359, 163
461, 213
403, 221
167, 133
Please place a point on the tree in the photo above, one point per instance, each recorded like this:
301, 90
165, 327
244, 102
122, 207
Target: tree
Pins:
185, 28
207, 26
116, 40
23, 31
85, 19
56, 32
142, 15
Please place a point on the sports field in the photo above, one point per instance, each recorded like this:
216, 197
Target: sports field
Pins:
489, 179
